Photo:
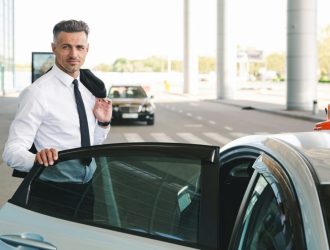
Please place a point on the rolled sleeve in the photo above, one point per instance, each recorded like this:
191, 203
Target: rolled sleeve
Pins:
100, 134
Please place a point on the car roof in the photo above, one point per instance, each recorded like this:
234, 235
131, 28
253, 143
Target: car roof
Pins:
126, 85
312, 146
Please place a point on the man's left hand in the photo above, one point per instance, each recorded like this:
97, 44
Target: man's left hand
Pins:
103, 109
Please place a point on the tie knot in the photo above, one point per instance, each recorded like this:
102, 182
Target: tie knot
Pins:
75, 82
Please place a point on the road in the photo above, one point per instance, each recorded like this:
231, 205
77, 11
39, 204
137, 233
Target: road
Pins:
187, 120
205, 122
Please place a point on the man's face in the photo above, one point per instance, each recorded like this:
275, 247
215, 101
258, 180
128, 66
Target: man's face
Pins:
70, 51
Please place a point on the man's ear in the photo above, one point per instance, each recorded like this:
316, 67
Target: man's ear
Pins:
53, 47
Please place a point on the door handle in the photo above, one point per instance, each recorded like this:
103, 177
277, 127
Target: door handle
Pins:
28, 240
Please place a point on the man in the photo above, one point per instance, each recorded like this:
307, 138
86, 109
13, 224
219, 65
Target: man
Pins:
47, 116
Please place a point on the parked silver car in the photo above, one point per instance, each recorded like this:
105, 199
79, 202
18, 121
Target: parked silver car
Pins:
257, 192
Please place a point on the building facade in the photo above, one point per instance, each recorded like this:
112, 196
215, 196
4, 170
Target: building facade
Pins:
7, 49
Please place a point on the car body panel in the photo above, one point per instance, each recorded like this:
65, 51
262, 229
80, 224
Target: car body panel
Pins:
69, 235
287, 149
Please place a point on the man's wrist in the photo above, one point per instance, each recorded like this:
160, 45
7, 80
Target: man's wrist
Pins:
103, 124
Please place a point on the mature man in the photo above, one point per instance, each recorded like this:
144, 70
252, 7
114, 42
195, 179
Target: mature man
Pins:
52, 112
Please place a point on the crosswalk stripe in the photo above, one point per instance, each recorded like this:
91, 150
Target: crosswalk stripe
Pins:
217, 137
189, 137
193, 125
192, 138
238, 134
261, 133
133, 137
162, 137
228, 128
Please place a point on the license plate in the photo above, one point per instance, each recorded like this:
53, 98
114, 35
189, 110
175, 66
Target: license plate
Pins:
130, 116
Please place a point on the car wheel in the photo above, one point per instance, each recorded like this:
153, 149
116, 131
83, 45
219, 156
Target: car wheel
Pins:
151, 122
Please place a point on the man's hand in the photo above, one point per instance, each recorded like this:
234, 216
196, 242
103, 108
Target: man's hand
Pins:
47, 156
103, 109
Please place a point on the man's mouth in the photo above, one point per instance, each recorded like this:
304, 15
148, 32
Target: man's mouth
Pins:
73, 61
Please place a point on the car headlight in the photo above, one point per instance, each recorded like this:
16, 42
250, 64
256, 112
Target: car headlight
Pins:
116, 108
148, 108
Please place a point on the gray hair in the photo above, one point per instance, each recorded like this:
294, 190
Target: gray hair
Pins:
70, 26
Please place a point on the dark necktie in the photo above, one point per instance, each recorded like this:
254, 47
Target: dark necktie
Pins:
84, 132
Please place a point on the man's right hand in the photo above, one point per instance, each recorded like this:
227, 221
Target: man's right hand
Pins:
47, 156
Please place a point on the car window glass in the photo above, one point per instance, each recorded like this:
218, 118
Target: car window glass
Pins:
265, 225
127, 92
150, 194
324, 191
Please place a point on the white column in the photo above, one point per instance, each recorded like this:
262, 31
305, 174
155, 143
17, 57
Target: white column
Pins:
190, 57
226, 50
301, 54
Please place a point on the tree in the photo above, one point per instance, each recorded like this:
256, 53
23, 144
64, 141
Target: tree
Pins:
206, 65
276, 62
103, 67
122, 65
324, 53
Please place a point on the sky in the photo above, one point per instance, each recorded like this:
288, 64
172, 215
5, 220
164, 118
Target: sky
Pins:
137, 29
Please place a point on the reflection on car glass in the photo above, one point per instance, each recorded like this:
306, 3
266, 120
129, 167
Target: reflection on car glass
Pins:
127, 92
69, 171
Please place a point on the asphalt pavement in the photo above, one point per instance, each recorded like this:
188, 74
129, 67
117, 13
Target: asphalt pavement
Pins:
264, 99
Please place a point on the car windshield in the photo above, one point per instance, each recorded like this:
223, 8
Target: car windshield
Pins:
324, 191
127, 92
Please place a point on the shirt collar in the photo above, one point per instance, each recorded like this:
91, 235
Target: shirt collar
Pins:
62, 76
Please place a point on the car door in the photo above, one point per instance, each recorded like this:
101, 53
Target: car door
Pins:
138, 196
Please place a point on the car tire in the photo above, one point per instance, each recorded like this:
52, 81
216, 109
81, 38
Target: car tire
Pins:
151, 122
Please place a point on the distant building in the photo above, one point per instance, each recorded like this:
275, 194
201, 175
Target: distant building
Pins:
245, 58
7, 50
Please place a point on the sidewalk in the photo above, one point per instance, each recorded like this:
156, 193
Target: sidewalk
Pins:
275, 105
269, 97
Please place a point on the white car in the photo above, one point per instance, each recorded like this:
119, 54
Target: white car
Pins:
257, 192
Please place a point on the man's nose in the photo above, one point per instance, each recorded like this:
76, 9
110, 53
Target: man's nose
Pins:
73, 52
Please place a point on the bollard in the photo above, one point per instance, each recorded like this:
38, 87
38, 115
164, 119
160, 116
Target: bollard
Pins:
315, 107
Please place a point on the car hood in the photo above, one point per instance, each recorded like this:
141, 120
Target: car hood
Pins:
130, 101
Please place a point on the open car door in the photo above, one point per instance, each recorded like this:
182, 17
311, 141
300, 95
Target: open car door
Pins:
130, 196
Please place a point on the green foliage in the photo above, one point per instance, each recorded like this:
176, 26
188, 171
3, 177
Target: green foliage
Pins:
276, 62
254, 68
206, 65
151, 64
155, 64
177, 66
103, 67
122, 65
324, 53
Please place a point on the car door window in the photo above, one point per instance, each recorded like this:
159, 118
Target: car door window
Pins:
265, 225
143, 192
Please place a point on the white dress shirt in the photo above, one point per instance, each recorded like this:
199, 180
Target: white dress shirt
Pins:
47, 116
